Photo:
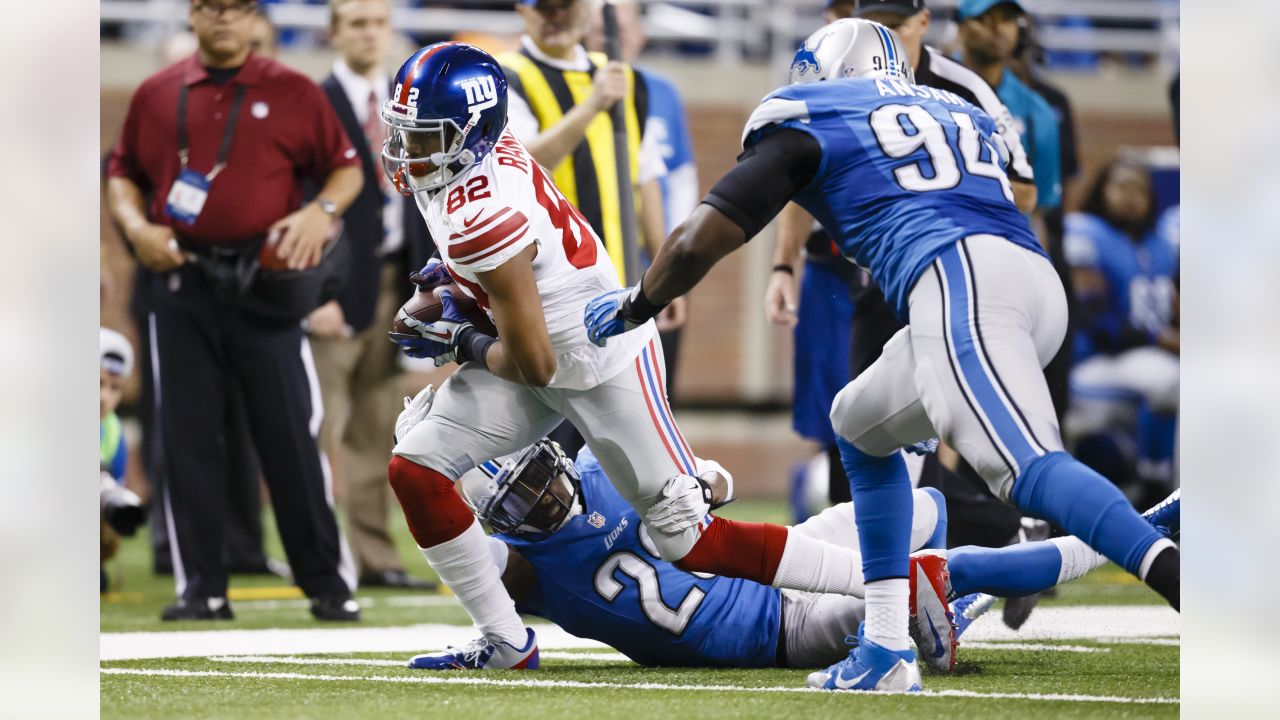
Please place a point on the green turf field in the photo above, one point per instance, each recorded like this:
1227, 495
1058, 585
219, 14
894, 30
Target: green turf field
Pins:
203, 670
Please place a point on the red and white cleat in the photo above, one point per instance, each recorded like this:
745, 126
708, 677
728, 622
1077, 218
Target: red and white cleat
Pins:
932, 624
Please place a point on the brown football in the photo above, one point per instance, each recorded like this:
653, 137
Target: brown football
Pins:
425, 307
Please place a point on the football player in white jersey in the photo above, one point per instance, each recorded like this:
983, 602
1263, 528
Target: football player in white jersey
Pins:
510, 240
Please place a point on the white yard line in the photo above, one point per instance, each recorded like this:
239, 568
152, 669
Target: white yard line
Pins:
1033, 647
471, 679
1172, 641
294, 660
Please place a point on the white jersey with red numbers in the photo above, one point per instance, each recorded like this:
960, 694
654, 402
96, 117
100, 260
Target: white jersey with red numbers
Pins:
500, 206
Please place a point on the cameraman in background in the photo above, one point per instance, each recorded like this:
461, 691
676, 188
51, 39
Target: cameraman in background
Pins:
122, 510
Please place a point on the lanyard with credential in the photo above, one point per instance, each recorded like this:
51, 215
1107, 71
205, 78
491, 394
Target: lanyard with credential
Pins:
224, 149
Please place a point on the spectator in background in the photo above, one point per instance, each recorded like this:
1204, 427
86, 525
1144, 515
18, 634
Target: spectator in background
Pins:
558, 106
1127, 346
265, 40
115, 356
360, 375
989, 32
121, 510
221, 142
667, 127
1027, 58
244, 551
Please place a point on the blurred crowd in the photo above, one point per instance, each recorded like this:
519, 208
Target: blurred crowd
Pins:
305, 400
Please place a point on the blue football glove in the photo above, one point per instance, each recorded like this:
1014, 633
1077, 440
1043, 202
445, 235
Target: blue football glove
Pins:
607, 315
924, 447
437, 340
431, 276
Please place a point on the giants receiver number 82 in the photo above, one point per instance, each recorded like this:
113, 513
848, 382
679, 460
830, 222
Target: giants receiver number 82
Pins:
511, 241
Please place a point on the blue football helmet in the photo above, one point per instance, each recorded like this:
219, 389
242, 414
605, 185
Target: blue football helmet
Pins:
446, 112
532, 494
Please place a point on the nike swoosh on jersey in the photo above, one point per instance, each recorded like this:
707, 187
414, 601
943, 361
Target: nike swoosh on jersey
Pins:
843, 685
471, 221
938, 650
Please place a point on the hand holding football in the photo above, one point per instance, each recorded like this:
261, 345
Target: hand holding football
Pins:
425, 307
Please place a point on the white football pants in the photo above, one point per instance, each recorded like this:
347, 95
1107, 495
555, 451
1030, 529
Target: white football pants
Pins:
984, 321
626, 421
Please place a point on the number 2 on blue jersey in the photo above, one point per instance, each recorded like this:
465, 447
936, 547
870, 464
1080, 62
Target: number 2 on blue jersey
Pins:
975, 151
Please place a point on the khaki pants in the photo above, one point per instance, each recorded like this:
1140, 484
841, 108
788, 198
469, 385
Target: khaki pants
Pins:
360, 381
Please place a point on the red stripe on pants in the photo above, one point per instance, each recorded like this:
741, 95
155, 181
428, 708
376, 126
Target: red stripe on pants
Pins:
657, 424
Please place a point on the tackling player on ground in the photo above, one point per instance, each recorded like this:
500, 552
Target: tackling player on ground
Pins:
510, 240
571, 550
910, 181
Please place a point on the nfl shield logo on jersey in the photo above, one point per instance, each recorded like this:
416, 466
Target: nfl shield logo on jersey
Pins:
596, 520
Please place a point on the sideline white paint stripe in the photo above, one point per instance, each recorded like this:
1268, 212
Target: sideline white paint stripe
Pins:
366, 601
1081, 622
412, 639
294, 660
1118, 624
471, 680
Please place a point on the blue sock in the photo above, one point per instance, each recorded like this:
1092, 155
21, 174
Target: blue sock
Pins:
1156, 435
882, 503
1007, 572
938, 540
1058, 488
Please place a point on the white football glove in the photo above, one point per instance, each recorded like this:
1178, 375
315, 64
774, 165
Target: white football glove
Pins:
708, 469
685, 501
415, 411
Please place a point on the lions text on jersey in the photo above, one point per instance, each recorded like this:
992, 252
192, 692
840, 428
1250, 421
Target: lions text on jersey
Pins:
889, 150
600, 577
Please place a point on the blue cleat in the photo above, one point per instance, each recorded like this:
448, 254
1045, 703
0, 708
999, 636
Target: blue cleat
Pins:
970, 608
870, 667
1166, 516
481, 654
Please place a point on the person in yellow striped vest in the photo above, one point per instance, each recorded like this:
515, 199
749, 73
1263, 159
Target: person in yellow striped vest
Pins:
558, 106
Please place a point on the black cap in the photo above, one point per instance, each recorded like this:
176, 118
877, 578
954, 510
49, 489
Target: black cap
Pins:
901, 7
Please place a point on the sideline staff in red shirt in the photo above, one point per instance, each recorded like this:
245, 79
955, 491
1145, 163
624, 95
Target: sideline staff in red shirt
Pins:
221, 142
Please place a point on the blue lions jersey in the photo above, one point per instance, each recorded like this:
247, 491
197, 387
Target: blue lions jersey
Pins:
906, 172
1140, 277
599, 577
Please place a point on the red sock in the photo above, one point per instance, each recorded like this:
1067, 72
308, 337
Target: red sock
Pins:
434, 511
737, 549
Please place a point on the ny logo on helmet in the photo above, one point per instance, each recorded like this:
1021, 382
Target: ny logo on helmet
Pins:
806, 58
481, 93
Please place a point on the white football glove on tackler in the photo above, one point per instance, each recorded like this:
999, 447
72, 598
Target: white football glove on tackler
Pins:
686, 499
